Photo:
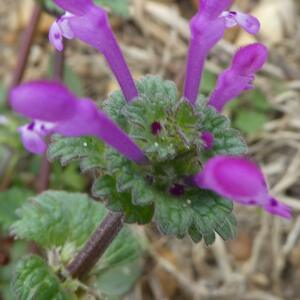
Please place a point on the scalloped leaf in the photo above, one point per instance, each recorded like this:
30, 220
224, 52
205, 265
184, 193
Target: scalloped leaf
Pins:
200, 215
117, 281
34, 279
226, 139
175, 153
65, 221
88, 150
55, 218
105, 187
124, 249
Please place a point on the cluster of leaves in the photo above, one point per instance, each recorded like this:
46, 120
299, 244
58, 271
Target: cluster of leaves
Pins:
142, 192
61, 223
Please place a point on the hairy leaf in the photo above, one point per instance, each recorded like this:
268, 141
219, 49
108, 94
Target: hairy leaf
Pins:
105, 188
56, 218
87, 150
33, 279
226, 139
201, 215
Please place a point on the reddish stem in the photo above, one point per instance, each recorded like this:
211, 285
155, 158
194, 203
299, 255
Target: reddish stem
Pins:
95, 247
26, 43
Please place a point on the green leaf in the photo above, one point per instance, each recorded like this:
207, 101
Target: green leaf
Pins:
10, 201
33, 279
226, 139
54, 219
173, 216
105, 187
200, 215
213, 214
118, 280
124, 249
258, 99
119, 7
250, 113
120, 266
195, 235
17, 250
63, 222
68, 178
250, 121
113, 107
142, 192
87, 150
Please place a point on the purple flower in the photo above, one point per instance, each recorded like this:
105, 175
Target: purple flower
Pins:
207, 28
208, 139
240, 180
90, 24
54, 109
239, 77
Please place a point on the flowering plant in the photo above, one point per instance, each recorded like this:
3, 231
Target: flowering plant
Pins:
158, 155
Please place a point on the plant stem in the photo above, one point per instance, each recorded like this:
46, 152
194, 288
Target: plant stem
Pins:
59, 65
96, 245
44, 175
26, 43
45, 169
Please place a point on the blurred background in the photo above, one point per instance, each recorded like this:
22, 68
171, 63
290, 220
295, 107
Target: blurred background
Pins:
263, 262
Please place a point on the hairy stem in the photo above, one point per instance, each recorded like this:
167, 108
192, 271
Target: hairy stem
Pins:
26, 43
59, 64
96, 245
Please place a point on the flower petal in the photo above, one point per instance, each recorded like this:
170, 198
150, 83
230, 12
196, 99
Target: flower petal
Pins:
32, 141
240, 76
48, 101
76, 7
213, 8
233, 177
204, 36
239, 180
55, 37
248, 22
64, 26
275, 207
93, 28
250, 59
90, 26
208, 139
89, 120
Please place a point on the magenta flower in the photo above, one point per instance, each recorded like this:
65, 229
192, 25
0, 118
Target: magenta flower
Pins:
54, 109
239, 77
240, 180
207, 28
208, 139
89, 23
